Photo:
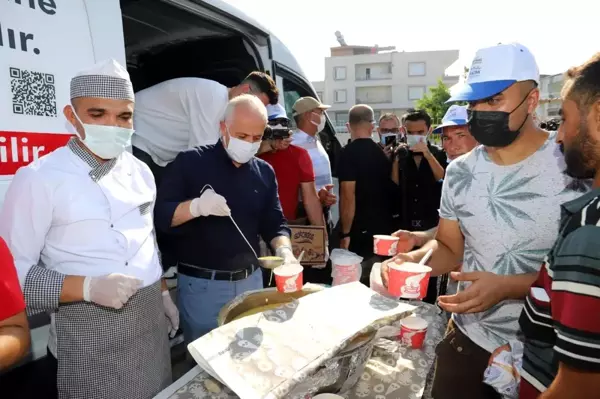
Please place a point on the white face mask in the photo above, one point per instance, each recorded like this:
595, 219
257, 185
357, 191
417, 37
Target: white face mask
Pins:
321, 125
239, 150
107, 142
413, 139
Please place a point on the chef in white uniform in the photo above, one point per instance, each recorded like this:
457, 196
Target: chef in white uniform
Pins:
79, 224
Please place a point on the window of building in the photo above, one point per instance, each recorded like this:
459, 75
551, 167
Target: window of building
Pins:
320, 96
339, 73
340, 96
416, 69
341, 118
377, 115
416, 92
368, 73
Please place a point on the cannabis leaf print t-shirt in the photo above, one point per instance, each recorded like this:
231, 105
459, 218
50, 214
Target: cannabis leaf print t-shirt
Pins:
509, 216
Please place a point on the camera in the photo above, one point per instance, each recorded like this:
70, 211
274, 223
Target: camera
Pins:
402, 152
277, 129
550, 125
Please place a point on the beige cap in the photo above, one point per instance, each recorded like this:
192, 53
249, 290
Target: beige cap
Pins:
306, 104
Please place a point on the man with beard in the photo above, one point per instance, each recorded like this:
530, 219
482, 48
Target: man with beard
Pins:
499, 214
560, 319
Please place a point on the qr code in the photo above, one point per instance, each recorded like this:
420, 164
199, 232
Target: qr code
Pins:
33, 93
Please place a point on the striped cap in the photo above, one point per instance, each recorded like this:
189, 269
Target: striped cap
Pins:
106, 79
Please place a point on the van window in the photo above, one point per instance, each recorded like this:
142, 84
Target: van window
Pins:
291, 93
293, 89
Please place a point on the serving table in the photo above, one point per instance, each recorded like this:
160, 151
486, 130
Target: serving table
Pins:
393, 371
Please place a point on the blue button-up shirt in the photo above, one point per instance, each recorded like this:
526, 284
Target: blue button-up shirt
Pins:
213, 242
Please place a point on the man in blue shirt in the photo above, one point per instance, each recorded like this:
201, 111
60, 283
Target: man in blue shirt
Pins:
200, 190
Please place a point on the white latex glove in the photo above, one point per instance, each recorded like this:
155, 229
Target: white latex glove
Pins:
287, 255
112, 290
209, 203
171, 312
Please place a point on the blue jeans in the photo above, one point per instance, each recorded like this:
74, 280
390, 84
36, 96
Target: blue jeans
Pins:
200, 301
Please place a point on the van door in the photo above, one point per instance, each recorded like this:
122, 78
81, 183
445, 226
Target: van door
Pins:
220, 13
294, 86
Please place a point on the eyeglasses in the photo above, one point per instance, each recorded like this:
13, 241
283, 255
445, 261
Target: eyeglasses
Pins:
393, 130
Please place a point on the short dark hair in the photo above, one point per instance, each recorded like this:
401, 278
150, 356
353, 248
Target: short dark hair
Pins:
360, 114
414, 115
583, 85
389, 116
260, 82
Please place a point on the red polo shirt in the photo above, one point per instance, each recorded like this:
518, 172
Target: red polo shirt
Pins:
11, 296
292, 167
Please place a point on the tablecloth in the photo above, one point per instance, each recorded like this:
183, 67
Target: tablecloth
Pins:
393, 371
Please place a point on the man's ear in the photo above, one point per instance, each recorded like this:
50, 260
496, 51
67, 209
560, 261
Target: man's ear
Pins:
533, 100
224, 135
595, 115
69, 114
245, 88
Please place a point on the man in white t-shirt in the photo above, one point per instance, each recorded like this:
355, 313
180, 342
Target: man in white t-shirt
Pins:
499, 214
183, 113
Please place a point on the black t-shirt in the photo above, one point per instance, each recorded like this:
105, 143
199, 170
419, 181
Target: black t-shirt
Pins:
364, 162
420, 192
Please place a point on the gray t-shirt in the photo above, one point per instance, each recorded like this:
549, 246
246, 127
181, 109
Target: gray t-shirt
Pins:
509, 216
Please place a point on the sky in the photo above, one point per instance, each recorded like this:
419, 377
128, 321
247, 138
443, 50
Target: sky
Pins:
559, 34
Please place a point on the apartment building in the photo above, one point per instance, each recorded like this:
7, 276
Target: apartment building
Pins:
389, 81
550, 87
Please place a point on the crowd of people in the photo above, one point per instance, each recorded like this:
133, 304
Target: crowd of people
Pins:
217, 175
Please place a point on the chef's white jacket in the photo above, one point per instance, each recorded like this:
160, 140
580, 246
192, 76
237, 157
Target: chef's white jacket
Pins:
68, 214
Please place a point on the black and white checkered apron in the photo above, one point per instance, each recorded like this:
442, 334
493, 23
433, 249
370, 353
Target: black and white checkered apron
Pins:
105, 353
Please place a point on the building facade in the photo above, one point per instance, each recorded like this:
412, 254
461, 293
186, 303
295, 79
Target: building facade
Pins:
389, 81
549, 105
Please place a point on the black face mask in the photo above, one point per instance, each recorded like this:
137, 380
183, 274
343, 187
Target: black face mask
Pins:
491, 128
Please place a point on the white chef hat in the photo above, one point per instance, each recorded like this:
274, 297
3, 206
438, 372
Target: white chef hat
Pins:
106, 79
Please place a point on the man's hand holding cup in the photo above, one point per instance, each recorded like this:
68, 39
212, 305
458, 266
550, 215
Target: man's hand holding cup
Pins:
398, 259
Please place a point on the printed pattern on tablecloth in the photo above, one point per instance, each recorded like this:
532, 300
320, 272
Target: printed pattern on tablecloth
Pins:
266, 355
392, 372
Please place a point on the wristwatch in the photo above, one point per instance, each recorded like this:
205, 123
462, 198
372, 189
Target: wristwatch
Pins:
344, 235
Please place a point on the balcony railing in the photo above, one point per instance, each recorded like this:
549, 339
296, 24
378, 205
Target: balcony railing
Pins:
374, 77
365, 101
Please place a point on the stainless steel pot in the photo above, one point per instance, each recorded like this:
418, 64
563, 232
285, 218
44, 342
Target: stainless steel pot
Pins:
337, 375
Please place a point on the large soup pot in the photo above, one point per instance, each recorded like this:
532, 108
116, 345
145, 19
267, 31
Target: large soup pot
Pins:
338, 375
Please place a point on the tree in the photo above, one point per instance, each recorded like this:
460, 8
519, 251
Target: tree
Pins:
434, 102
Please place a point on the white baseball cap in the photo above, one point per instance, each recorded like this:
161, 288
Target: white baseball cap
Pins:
496, 68
276, 111
455, 116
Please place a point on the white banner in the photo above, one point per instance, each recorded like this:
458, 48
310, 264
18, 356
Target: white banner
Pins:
43, 43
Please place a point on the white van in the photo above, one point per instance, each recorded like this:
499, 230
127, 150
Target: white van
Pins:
43, 43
